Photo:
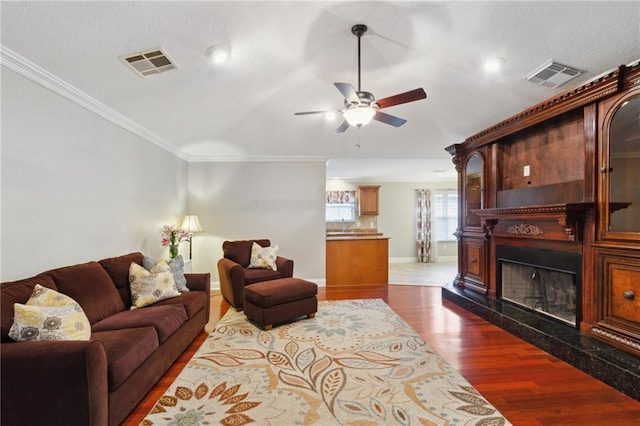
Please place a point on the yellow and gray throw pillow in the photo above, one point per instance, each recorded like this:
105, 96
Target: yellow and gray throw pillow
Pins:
49, 315
176, 266
148, 287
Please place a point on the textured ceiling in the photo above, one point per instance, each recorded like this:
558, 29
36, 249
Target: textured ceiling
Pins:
285, 57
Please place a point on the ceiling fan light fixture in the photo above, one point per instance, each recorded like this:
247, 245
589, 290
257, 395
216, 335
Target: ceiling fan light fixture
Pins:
359, 116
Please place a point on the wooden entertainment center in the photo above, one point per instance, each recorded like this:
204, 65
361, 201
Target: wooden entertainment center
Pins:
562, 177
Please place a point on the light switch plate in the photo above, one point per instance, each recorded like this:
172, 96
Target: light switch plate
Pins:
526, 170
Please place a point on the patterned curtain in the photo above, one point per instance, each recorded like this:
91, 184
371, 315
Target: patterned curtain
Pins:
423, 225
341, 197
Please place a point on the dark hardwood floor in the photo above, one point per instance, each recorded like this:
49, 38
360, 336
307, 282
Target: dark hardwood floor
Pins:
527, 385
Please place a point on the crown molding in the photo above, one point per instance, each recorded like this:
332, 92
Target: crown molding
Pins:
38, 75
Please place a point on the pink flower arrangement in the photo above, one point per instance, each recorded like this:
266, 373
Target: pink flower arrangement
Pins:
172, 236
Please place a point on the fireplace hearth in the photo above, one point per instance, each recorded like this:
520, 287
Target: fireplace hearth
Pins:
617, 368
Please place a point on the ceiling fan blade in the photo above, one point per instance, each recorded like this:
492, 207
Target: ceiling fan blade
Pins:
389, 119
310, 112
402, 98
344, 126
348, 92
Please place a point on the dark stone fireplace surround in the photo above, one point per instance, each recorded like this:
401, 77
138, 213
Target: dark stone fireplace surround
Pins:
617, 368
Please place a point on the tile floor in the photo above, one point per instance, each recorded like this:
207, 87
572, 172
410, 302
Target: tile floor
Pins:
426, 274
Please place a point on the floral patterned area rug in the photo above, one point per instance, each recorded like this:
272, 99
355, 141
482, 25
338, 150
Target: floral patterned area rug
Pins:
356, 363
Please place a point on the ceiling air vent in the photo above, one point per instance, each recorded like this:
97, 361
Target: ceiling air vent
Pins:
149, 63
553, 74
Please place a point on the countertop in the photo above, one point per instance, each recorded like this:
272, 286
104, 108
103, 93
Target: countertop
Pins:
340, 236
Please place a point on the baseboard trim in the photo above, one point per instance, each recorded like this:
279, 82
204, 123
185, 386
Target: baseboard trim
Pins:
403, 259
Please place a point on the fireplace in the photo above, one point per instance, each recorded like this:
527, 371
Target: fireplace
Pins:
547, 282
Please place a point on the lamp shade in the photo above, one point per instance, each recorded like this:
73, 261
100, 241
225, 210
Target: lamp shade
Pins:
191, 224
359, 116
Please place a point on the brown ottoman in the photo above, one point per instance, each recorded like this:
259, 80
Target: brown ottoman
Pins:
271, 302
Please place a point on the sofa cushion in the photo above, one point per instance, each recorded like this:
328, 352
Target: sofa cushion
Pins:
263, 257
148, 287
176, 266
49, 315
90, 286
126, 350
257, 275
193, 302
239, 251
165, 319
18, 292
118, 270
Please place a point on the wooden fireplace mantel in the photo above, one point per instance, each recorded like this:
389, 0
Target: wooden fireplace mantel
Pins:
550, 222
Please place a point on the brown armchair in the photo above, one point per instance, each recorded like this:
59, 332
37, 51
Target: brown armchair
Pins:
234, 273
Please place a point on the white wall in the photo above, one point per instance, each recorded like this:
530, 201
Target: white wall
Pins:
398, 218
76, 187
280, 201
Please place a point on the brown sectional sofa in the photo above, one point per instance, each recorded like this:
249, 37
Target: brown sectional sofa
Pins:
95, 382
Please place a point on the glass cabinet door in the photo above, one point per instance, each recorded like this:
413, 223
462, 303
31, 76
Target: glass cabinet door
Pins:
622, 173
473, 189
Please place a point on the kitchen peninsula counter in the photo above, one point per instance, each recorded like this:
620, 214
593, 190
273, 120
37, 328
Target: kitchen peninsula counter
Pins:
357, 259
353, 236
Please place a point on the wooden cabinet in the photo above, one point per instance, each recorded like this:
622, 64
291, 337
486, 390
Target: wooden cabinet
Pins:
368, 200
472, 242
474, 261
620, 168
619, 278
618, 243
560, 176
357, 261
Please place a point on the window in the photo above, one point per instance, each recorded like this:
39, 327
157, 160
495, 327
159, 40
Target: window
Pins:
445, 211
340, 206
340, 212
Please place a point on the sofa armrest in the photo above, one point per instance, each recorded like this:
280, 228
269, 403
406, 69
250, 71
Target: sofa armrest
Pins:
54, 383
285, 266
200, 282
231, 275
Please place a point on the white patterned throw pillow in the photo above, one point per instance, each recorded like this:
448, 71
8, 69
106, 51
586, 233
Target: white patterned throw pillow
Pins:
148, 287
49, 315
263, 257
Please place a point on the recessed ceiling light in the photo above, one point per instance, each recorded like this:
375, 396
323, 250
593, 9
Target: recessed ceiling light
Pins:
493, 64
218, 53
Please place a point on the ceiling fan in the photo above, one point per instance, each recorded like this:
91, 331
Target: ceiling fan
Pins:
361, 107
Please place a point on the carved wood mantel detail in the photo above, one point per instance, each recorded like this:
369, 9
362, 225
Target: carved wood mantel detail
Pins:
553, 222
524, 229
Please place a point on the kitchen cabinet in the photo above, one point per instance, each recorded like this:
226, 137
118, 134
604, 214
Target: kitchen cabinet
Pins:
368, 200
357, 261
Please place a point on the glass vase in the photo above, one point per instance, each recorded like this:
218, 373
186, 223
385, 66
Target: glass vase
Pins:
173, 251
